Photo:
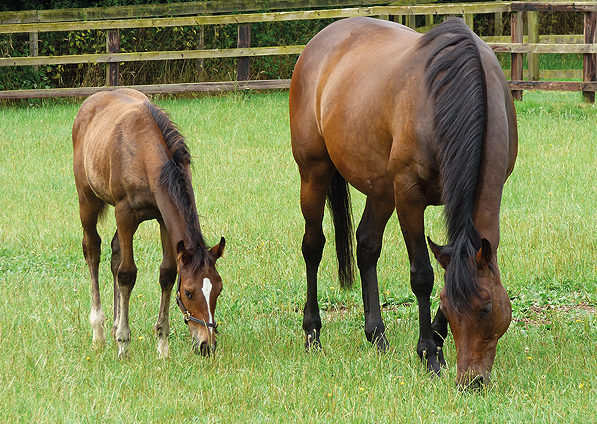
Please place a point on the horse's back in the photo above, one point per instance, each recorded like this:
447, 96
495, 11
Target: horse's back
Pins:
356, 56
103, 109
112, 136
352, 90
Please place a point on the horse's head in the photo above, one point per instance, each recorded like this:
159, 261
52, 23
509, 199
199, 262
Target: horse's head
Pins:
477, 327
197, 293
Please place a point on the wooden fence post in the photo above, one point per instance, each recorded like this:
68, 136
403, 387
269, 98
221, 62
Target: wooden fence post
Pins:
200, 63
516, 37
468, 20
112, 46
589, 62
533, 58
243, 64
498, 24
34, 46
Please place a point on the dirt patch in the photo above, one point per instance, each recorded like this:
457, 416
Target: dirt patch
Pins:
540, 315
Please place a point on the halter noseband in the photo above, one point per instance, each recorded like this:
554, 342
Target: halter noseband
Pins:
187, 315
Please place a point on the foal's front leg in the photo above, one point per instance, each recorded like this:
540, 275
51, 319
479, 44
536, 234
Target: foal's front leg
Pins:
126, 275
167, 280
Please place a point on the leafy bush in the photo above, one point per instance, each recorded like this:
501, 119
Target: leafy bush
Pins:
184, 38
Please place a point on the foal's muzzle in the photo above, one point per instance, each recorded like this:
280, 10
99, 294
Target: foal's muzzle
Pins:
204, 348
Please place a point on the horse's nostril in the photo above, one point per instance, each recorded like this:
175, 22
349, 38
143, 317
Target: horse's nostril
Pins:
477, 383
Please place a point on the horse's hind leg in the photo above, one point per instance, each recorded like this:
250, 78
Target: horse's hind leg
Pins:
167, 279
369, 241
89, 209
314, 188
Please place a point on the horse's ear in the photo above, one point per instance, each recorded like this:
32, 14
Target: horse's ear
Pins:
184, 255
484, 254
442, 257
218, 250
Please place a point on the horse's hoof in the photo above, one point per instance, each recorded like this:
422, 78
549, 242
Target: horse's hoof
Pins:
381, 343
433, 359
312, 341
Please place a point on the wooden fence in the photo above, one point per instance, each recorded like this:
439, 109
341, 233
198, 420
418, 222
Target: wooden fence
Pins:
226, 12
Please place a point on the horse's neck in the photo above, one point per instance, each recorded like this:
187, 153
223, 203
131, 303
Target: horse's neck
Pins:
174, 219
486, 212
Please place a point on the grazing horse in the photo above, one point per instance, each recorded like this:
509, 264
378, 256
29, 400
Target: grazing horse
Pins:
409, 120
129, 154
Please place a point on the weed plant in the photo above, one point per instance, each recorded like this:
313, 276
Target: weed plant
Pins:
247, 189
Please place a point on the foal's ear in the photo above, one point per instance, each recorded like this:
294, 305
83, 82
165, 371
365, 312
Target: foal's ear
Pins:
442, 258
484, 254
218, 250
183, 254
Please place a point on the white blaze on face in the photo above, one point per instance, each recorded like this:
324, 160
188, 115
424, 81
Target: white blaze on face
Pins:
206, 289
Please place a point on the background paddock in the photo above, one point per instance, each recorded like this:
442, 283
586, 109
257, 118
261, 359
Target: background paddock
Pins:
246, 186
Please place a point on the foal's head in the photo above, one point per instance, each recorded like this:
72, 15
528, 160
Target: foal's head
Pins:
199, 286
477, 326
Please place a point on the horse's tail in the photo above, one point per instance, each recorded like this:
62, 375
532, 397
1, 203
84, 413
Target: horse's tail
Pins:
456, 81
340, 205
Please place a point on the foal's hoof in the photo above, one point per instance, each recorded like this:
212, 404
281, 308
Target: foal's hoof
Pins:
123, 351
312, 341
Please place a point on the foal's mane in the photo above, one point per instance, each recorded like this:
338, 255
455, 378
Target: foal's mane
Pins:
455, 78
175, 180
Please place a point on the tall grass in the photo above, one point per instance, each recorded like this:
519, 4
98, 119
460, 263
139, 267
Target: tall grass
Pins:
247, 188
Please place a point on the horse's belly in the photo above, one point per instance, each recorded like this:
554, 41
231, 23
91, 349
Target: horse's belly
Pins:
97, 171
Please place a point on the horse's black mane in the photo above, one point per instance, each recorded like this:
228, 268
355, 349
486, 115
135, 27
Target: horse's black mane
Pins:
454, 76
174, 179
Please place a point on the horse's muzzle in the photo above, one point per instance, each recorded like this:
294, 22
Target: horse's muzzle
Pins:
476, 383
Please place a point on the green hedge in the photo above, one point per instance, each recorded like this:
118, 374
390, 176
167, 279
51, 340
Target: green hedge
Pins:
182, 38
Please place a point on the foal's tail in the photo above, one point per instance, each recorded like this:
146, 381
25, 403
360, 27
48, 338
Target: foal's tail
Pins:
340, 205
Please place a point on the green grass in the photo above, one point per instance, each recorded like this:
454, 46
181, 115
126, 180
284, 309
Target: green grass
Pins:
247, 188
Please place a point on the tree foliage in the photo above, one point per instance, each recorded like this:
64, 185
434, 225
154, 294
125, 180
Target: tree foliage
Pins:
180, 38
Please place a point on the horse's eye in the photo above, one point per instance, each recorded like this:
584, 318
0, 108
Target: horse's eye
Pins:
486, 310
188, 294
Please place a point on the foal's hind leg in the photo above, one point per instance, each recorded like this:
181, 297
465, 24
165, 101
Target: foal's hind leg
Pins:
369, 240
411, 216
167, 279
89, 210
314, 188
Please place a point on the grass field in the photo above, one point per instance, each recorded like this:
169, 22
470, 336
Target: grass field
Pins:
247, 188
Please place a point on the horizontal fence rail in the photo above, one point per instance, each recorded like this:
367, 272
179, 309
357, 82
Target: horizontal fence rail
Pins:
173, 15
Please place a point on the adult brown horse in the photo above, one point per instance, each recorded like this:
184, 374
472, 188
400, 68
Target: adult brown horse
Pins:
129, 154
409, 120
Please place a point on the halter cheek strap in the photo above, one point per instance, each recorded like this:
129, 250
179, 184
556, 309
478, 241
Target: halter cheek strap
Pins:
187, 315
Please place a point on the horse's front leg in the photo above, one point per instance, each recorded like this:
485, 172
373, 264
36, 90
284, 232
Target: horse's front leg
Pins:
126, 275
411, 216
439, 326
167, 280
369, 241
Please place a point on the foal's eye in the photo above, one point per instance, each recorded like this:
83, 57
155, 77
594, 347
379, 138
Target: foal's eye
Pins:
188, 294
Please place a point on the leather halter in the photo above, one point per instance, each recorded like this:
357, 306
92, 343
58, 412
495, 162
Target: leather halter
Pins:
187, 315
